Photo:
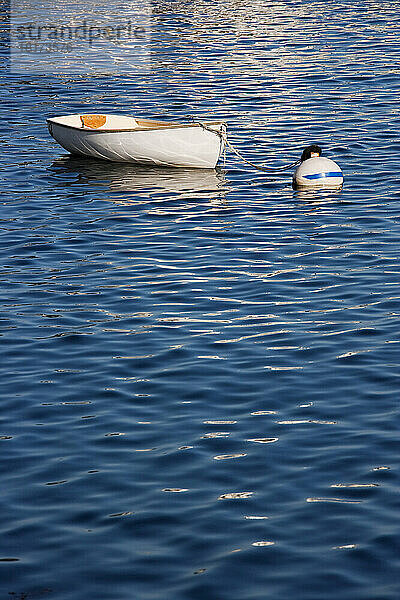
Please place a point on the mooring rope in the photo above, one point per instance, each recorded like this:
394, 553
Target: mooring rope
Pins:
266, 169
223, 136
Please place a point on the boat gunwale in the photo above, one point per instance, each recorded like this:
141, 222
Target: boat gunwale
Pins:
134, 129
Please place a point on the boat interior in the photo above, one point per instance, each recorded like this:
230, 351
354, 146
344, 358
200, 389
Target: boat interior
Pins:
112, 122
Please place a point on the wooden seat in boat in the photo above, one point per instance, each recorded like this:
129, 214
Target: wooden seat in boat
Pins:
93, 121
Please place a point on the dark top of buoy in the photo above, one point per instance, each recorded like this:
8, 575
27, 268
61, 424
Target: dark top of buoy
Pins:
313, 149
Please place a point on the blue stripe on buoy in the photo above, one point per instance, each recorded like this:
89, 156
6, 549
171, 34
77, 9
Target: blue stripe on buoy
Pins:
323, 175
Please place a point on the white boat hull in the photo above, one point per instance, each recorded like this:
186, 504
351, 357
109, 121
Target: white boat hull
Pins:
156, 145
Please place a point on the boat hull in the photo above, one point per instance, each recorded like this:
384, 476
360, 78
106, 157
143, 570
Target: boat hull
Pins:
175, 146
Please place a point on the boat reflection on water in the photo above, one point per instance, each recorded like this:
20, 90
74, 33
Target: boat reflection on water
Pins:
143, 181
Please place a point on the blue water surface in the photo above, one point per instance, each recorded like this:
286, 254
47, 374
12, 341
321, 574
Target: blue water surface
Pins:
200, 369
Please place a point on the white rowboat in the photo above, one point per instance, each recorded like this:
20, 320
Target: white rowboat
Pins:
125, 139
